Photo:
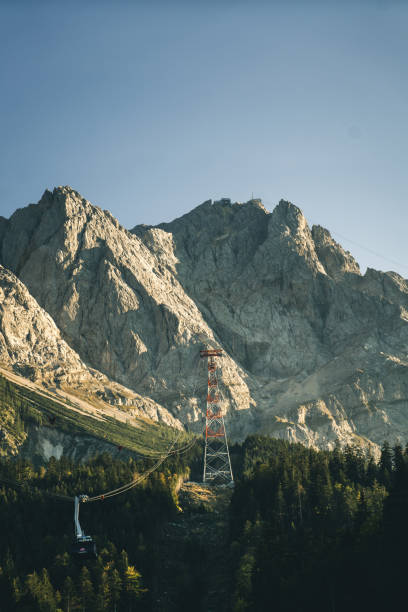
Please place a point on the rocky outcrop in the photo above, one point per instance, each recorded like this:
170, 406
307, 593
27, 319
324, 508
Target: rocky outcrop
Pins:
42, 443
335, 260
31, 346
314, 351
30, 342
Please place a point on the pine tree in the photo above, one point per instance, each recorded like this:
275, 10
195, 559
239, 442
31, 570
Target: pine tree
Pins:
279, 506
115, 588
39, 592
103, 594
86, 589
371, 472
386, 464
69, 601
134, 587
243, 590
399, 464
17, 589
123, 563
33, 585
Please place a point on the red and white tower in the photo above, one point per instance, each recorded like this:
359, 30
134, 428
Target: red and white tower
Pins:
217, 462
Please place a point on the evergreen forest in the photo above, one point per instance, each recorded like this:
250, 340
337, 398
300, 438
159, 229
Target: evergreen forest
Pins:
304, 530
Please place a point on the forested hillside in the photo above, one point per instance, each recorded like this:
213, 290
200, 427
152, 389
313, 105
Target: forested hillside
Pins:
308, 530
37, 571
318, 530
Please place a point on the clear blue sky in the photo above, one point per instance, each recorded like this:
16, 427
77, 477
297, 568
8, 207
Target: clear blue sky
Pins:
150, 108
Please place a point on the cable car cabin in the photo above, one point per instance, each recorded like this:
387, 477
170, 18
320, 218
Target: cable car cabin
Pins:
84, 548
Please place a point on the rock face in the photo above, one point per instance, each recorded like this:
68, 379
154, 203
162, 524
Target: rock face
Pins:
42, 443
30, 342
31, 346
314, 351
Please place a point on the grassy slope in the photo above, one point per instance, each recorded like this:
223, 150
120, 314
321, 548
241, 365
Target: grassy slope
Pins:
20, 404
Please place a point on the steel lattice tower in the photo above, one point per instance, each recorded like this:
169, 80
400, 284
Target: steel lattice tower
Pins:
217, 463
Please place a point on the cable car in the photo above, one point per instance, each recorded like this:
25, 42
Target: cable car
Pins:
84, 547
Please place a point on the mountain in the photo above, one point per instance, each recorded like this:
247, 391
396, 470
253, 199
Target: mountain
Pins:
313, 350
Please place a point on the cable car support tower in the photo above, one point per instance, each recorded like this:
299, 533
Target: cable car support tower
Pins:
217, 462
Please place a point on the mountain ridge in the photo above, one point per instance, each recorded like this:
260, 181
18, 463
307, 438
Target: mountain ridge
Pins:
311, 346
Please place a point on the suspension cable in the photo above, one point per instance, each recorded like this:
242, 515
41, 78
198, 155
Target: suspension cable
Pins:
161, 458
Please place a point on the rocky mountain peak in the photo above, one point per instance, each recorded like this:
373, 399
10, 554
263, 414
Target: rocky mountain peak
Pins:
335, 260
290, 241
68, 201
257, 202
63, 199
59, 193
286, 213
